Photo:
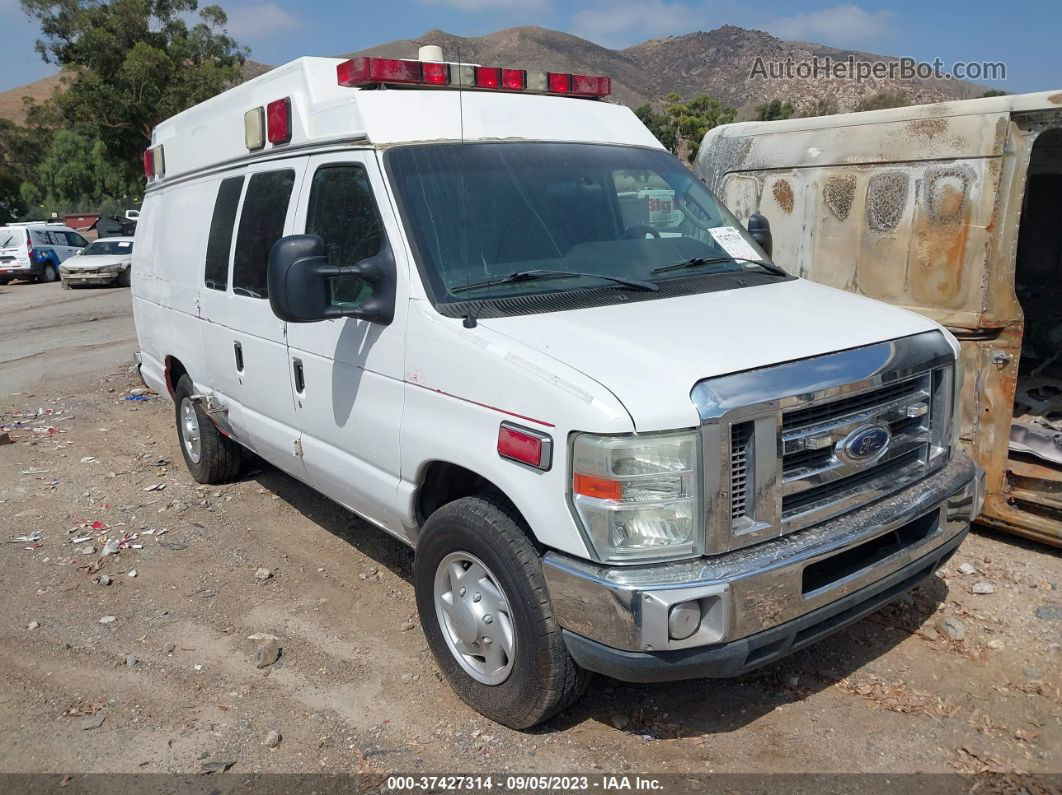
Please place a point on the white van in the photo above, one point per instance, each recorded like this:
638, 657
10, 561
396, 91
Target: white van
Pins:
35, 250
439, 294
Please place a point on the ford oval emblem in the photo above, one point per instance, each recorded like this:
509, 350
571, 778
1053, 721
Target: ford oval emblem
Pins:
867, 442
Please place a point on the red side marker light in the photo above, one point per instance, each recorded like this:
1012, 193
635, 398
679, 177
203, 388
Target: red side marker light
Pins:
149, 163
278, 121
525, 445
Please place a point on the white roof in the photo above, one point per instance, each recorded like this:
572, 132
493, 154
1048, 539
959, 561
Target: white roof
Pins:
322, 110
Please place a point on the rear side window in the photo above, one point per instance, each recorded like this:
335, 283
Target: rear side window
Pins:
261, 225
220, 241
342, 211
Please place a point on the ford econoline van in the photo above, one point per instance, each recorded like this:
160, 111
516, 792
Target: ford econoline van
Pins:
951, 210
486, 311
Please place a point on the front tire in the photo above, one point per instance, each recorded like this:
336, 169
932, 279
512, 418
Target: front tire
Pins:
123, 279
487, 616
211, 456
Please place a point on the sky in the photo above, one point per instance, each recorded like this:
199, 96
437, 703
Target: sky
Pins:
1024, 34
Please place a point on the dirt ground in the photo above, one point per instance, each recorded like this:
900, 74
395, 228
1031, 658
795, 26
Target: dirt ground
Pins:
155, 671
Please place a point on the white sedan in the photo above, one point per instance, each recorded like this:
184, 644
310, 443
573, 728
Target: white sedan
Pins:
105, 261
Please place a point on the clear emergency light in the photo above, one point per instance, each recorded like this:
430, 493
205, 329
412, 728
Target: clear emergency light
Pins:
361, 72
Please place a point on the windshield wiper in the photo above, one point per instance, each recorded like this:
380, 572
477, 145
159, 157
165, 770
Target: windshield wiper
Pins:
696, 262
528, 276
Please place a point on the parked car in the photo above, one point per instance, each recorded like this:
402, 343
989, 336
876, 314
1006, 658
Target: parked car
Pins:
105, 261
35, 250
506, 326
950, 210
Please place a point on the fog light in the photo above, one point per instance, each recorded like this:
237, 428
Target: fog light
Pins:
683, 620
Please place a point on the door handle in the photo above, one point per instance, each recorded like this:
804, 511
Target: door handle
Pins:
300, 378
237, 350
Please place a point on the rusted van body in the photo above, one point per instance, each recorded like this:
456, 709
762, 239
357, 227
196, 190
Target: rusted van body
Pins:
953, 210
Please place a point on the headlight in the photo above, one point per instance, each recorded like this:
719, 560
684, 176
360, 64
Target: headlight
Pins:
111, 268
639, 497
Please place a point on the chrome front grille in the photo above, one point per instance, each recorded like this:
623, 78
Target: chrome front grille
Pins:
790, 442
818, 477
740, 444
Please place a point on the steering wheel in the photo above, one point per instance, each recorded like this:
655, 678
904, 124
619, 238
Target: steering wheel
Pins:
638, 231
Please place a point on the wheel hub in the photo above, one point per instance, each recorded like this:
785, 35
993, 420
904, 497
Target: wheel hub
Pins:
475, 618
190, 436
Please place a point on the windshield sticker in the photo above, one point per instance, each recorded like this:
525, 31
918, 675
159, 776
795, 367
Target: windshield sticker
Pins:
733, 243
124, 244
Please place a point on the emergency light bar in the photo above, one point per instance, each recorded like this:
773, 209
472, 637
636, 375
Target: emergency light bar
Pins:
359, 72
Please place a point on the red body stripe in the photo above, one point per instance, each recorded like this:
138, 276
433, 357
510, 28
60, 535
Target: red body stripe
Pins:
485, 405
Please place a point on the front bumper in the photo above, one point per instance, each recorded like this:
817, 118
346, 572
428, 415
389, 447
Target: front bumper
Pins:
79, 278
763, 602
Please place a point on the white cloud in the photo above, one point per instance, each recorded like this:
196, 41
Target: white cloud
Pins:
260, 21
626, 22
491, 5
843, 24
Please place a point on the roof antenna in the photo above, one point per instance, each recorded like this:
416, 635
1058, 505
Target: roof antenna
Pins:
470, 317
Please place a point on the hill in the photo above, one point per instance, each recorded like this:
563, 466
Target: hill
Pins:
718, 62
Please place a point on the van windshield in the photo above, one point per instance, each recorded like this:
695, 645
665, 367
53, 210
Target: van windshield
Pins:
481, 212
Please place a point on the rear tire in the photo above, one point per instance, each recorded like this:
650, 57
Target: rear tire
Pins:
540, 678
211, 456
48, 274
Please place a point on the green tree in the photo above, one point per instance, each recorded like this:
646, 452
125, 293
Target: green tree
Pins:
19, 154
130, 64
774, 110
659, 125
994, 92
883, 99
682, 124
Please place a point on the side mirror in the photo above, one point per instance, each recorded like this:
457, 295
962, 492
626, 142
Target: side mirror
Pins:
300, 289
760, 230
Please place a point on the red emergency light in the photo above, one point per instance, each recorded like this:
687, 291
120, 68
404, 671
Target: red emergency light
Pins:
278, 121
360, 72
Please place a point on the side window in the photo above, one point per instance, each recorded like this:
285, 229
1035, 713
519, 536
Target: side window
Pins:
76, 240
219, 243
342, 211
261, 225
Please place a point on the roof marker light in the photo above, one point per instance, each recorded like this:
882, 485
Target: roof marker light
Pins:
559, 83
488, 77
254, 128
514, 79
278, 121
587, 86
362, 71
436, 74
160, 161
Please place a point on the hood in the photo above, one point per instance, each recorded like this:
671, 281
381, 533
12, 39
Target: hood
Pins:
94, 261
651, 353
